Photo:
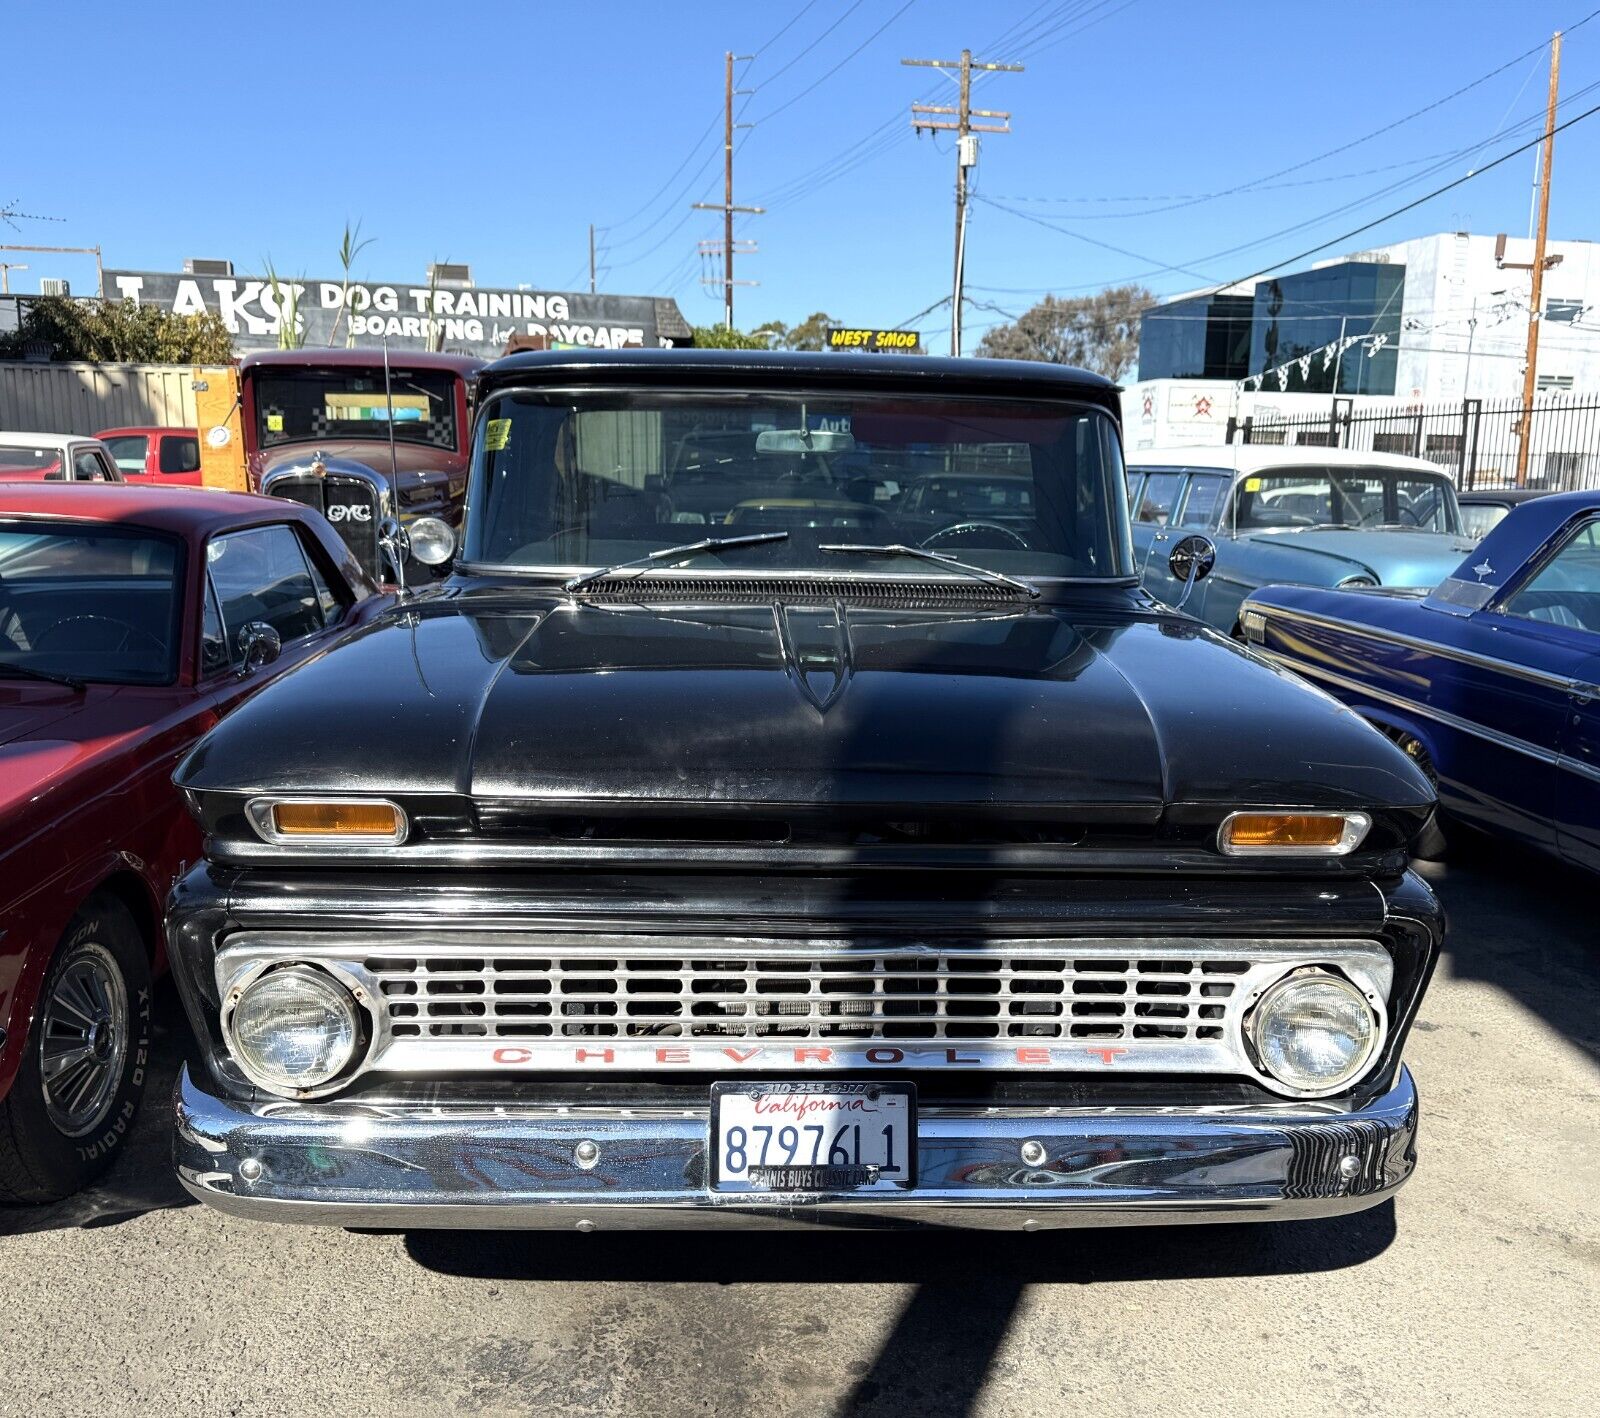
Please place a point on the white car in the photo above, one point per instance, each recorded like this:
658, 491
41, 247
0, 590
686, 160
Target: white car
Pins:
55, 457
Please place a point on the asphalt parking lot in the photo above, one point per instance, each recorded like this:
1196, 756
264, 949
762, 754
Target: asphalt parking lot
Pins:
1475, 1292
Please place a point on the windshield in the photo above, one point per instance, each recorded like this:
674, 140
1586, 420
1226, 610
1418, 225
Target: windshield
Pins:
29, 462
305, 405
93, 605
584, 480
1348, 497
1481, 518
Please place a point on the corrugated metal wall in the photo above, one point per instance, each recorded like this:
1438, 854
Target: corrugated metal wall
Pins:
84, 398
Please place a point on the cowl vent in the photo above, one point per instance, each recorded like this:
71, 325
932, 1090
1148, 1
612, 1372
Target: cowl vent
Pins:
793, 589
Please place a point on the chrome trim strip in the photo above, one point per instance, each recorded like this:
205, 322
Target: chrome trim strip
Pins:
1411, 642
515, 1167
1422, 711
259, 812
494, 1036
1356, 827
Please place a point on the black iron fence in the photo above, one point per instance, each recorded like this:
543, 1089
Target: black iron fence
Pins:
1476, 439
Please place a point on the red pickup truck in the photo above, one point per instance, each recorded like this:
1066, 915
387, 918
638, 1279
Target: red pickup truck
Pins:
164, 455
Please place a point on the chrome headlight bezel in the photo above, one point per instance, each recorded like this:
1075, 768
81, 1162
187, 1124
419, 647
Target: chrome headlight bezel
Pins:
1272, 997
348, 998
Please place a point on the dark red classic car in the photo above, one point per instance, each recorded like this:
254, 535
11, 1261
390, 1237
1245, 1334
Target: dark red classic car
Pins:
131, 620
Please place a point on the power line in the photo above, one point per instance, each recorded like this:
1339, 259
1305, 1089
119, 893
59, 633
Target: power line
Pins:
790, 103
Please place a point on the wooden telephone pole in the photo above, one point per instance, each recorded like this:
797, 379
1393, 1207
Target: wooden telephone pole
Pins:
726, 248
966, 155
1540, 262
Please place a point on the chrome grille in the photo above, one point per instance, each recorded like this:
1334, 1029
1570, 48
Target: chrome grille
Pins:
489, 1001
878, 995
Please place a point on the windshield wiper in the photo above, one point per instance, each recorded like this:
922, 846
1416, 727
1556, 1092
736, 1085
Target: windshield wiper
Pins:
577, 583
938, 558
28, 672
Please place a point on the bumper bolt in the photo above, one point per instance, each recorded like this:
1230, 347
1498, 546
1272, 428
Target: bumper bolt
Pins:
586, 1154
250, 1169
1349, 1167
1033, 1152
586, 1226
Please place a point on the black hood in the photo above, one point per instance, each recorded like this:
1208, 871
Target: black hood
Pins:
547, 702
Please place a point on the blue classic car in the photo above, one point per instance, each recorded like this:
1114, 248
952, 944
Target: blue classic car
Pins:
1301, 516
1491, 683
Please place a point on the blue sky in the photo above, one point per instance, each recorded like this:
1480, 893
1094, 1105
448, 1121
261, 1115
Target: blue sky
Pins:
494, 133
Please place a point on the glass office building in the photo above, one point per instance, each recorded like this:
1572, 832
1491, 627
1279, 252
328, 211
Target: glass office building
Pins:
1204, 337
1234, 336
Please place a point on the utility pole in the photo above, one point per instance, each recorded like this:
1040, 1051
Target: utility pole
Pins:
726, 206
591, 258
966, 155
6, 268
1540, 262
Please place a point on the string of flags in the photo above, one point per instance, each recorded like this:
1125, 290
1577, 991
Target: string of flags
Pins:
1372, 343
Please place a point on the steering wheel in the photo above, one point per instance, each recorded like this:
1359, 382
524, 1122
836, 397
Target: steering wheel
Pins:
961, 529
129, 633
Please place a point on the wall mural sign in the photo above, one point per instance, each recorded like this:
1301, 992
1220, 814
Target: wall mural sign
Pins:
471, 321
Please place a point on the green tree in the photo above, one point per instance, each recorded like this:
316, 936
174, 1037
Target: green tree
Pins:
719, 337
811, 333
118, 331
1095, 332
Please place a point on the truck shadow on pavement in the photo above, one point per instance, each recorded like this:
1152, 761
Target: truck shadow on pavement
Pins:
943, 1347
1524, 924
142, 1178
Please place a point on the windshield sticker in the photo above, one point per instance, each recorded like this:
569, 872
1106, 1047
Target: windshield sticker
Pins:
497, 435
1252, 484
274, 423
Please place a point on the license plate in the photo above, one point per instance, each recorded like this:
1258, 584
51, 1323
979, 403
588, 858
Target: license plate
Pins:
813, 1137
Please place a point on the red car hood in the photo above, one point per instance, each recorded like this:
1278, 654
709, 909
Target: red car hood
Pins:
27, 711
45, 732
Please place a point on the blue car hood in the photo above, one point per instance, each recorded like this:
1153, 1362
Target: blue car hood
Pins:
1397, 558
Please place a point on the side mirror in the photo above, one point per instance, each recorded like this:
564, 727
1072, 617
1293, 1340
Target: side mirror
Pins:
1191, 561
259, 645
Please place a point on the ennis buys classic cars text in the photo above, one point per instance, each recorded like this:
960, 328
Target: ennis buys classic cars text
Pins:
792, 811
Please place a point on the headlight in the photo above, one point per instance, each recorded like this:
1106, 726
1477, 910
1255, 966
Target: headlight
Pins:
432, 540
1313, 1031
294, 1028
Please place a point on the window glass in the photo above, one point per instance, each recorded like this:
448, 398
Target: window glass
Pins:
1135, 485
1566, 590
564, 479
333, 605
1159, 497
1480, 518
261, 574
87, 467
20, 461
1205, 495
1313, 496
97, 605
297, 405
179, 454
128, 452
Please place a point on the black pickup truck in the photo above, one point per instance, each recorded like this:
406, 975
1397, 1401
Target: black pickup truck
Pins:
730, 841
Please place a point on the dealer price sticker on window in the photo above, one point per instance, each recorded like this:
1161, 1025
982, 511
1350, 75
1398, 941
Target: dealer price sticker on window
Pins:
816, 1137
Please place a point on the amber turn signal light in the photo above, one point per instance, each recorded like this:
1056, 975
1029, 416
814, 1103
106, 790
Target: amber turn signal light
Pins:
309, 820
1319, 834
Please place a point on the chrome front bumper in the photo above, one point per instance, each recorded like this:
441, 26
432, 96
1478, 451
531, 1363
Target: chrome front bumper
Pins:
350, 1164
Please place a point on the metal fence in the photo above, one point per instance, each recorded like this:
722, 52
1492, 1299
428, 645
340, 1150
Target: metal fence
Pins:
1476, 439
84, 398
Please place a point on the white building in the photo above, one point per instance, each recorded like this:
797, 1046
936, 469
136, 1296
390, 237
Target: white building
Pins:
1430, 321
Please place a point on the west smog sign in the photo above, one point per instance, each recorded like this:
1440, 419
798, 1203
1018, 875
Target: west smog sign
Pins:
474, 321
876, 341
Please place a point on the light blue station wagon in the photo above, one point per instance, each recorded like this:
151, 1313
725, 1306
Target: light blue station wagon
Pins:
1291, 516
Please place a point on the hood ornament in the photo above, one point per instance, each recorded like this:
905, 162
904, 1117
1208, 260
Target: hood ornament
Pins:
319, 464
1483, 569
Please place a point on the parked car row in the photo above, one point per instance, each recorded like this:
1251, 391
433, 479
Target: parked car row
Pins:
808, 800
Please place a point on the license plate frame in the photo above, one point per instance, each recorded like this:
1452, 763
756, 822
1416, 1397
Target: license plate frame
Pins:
894, 1103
